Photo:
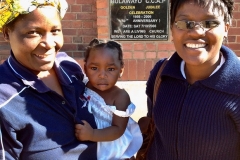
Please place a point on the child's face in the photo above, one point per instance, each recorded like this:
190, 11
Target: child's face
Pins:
103, 68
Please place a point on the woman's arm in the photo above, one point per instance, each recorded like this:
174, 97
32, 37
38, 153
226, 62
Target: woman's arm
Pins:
2, 153
10, 147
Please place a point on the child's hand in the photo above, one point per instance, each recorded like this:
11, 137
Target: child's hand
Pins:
84, 132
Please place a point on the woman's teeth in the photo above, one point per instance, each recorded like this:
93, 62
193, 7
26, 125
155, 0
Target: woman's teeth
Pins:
190, 45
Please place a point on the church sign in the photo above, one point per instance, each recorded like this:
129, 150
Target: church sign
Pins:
139, 19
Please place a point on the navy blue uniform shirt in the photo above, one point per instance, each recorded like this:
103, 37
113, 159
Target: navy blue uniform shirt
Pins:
36, 122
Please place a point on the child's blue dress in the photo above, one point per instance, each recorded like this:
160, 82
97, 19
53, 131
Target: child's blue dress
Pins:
131, 140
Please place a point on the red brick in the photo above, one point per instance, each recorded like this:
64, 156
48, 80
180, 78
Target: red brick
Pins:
132, 70
1, 38
127, 55
233, 46
151, 55
70, 16
71, 2
127, 46
234, 31
88, 39
69, 47
5, 52
102, 30
237, 53
76, 8
238, 39
138, 55
236, 15
151, 46
139, 46
68, 39
163, 54
238, 23
102, 22
103, 36
87, 24
148, 67
140, 70
88, 19
86, 16
232, 38
77, 24
77, 40
69, 31
66, 24
82, 47
166, 46
88, 32
234, 23
126, 70
102, 12
94, 24
78, 54
236, 7
4, 56
102, 4
85, 1
87, 8
4, 46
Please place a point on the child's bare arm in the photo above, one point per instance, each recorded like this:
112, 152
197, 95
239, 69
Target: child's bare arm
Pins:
85, 132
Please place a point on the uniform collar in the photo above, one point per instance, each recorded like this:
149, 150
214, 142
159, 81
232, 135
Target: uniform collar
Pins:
222, 60
30, 79
226, 79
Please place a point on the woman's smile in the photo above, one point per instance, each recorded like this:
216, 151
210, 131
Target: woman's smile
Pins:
195, 46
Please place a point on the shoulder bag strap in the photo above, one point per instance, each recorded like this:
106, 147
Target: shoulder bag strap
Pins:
158, 81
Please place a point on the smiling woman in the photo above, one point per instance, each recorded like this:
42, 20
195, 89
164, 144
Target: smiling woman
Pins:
40, 87
33, 37
197, 110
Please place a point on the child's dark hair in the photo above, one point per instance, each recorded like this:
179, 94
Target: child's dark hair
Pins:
96, 43
225, 6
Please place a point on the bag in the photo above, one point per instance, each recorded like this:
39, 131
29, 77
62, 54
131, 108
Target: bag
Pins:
146, 124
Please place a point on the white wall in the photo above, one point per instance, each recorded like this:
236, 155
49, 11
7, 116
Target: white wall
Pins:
136, 90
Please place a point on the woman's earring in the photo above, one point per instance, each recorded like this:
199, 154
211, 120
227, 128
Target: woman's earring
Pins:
225, 39
120, 75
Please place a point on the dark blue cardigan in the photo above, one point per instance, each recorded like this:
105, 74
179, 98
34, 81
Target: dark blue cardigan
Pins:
199, 121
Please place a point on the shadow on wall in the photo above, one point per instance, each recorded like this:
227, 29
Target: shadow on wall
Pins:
136, 90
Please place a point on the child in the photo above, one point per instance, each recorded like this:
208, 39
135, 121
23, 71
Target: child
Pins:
118, 136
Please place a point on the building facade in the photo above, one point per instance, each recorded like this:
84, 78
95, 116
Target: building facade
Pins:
88, 19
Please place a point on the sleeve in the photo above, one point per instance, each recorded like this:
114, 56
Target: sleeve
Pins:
71, 66
150, 86
2, 153
10, 147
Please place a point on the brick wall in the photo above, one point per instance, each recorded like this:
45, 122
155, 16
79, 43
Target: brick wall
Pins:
87, 19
